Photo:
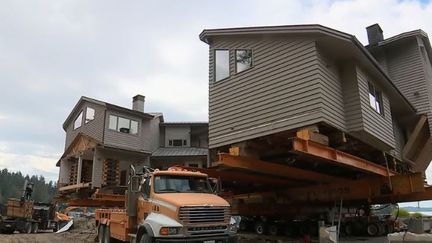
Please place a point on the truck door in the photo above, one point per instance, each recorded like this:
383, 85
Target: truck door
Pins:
144, 205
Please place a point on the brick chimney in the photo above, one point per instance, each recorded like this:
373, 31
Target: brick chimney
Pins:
375, 34
138, 103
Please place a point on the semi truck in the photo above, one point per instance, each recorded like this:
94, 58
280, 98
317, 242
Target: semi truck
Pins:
171, 205
27, 216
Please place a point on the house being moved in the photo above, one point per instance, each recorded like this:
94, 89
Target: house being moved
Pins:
291, 93
103, 140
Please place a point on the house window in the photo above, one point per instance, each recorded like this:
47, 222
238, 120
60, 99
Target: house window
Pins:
221, 64
177, 142
123, 125
78, 121
243, 60
375, 99
90, 113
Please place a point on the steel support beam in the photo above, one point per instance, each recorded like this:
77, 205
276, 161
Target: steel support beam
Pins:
241, 177
338, 158
263, 167
376, 189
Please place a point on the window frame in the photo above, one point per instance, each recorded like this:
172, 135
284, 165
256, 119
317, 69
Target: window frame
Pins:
378, 98
235, 58
214, 64
117, 124
86, 119
80, 116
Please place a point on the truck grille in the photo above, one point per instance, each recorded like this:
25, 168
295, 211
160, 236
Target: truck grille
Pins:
204, 215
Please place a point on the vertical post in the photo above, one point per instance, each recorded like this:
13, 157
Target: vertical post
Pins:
79, 169
340, 218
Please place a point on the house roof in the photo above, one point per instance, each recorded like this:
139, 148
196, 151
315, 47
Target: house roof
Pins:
105, 104
403, 36
180, 151
358, 51
184, 123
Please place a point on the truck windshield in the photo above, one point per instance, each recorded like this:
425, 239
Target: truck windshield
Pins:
181, 184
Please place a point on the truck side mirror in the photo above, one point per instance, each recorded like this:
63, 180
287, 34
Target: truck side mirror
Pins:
135, 182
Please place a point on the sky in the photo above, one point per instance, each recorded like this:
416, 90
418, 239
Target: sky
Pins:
54, 52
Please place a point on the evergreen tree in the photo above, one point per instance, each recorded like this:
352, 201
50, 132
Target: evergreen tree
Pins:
12, 185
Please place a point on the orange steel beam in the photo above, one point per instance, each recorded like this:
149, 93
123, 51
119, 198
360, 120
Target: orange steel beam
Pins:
241, 177
411, 197
337, 157
405, 187
263, 167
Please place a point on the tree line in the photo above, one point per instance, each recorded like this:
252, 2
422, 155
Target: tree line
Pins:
12, 184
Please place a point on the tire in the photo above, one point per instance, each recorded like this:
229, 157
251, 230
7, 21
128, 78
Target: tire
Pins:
107, 235
273, 229
28, 228
101, 233
145, 238
372, 230
259, 228
35, 228
348, 229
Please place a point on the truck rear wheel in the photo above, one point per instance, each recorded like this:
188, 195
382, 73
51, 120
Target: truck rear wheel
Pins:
145, 238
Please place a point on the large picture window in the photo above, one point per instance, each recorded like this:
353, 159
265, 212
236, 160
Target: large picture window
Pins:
221, 64
123, 125
243, 60
375, 99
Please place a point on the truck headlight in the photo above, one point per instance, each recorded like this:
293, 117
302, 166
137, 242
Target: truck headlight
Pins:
169, 231
234, 224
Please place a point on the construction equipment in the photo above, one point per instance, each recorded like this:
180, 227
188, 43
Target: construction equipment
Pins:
27, 216
165, 206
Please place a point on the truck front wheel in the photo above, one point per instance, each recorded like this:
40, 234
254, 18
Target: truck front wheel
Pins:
145, 238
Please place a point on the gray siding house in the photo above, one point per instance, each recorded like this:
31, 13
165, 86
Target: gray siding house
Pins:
182, 143
272, 80
102, 137
103, 140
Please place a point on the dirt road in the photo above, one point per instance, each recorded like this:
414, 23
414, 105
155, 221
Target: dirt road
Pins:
45, 238
87, 238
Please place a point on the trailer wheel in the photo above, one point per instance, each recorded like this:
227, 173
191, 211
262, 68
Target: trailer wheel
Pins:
273, 229
28, 228
145, 238
348, 229
372, 230
101, 233
259, 228
35, 228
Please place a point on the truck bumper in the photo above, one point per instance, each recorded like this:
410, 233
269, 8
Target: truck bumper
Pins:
206, 239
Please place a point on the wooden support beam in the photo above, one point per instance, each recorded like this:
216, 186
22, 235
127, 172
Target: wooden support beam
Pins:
414, 137
75, 186
338, 157
263, 167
